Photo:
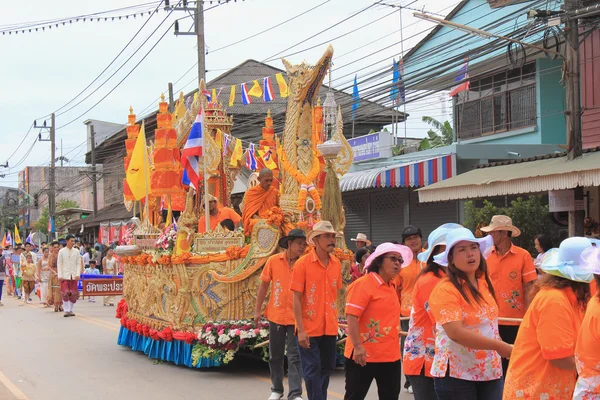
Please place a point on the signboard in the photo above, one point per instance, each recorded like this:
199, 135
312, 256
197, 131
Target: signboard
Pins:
109, 286
563, 200
147, 241
372, 146
216, 244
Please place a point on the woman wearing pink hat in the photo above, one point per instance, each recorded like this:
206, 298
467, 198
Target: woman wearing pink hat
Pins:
467, 363
373, 312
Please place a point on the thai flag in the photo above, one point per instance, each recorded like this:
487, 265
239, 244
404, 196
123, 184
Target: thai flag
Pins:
267, 90
192, 151
251, 163
51, 225
462, 79
8, 238
245, 97
207, 94
29, 238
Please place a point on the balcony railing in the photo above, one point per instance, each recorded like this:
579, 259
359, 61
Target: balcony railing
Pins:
500, 112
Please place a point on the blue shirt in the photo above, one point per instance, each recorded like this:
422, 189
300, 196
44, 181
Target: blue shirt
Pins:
92, 271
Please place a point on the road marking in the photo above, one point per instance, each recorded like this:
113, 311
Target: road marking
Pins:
329, 392
98, 322
12, 387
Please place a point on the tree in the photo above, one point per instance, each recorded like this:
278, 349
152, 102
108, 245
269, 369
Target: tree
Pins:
42, 224
443, 135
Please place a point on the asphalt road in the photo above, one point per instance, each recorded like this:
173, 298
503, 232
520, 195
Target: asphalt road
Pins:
44, 356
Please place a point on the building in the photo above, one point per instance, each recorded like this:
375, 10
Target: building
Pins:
71, 184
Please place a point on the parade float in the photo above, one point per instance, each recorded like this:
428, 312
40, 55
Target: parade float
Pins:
189, 297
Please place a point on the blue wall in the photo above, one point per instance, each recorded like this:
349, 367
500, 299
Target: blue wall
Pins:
551, 101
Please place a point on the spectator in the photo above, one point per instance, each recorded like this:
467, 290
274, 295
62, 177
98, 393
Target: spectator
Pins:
358, 269
542, 243
92, 270
361, 241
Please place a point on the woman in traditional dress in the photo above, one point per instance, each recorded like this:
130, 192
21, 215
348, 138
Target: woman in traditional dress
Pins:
109, 267
43, 271
54, 295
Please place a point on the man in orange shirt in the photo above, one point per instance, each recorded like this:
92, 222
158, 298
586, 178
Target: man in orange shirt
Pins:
316, 282
280, 314
512, 273
217, 215
258, 200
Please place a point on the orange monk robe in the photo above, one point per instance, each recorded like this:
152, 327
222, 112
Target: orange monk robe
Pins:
223, 214
258, 201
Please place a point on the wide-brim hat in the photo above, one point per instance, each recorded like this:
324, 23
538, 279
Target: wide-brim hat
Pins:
463, 234
384, 248
320, 228
437, 238
294, 234
569, 262
591, 258
361, 237
501, 223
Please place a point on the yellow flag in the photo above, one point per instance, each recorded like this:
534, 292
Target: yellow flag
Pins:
237, 154
138, 174
256, 91
283, 87
232, 96
180, 109
169, 220
267, 156
214, 95
17, 237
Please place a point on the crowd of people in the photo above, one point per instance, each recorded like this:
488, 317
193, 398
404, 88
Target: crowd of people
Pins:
52, 271
482, 319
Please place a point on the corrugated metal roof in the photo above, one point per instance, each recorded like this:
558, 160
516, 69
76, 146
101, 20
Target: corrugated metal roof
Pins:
540, 175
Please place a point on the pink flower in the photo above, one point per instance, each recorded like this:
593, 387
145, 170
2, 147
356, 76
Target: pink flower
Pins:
256, 331
221, 332
208, 330
237, 332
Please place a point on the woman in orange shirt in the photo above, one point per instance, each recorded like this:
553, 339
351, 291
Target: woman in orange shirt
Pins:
542, 365
373, 313
419, 346
467, 363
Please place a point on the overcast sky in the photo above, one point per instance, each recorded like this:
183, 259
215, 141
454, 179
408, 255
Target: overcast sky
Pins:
41, 71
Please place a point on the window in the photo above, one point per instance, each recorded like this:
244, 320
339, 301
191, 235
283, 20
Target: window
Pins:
497, 103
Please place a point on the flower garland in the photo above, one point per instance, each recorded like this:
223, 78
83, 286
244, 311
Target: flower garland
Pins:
306, 181
275, 216
234, 252
343, 254
183, 258
167, 239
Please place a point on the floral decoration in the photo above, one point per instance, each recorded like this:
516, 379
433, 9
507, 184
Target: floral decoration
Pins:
128, 235
297, 175
305, 191
343, 254
167, 239
234, 252
182, 258
275, 216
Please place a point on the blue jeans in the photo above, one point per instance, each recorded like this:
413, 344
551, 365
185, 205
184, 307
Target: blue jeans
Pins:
448, 388
318, 361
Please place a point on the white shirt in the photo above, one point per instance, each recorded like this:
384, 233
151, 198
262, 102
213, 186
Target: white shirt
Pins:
86, 258
70, 263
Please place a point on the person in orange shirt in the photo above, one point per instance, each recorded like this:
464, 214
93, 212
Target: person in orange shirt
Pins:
419, 347
280, 314
258, 200
372, 348
513, 273
217, 215
316, 282
587, 349
468, 347
543, 361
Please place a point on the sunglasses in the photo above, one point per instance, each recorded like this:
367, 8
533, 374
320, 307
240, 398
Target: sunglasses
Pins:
395, 259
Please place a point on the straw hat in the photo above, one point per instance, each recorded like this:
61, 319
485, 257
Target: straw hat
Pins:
384, 248
459, 235
294, 234
569, 262
501, 223
320, 228
361, 237
437, 238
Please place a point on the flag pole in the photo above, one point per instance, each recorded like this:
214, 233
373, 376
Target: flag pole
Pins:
402, 60
205, 175
146, 167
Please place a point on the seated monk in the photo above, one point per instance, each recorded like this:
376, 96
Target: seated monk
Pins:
258, 200
217, 214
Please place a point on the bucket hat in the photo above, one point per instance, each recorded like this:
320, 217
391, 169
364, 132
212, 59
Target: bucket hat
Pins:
459, 235
501, 223
294, 234
437, 238
361, 237
568, 261
320, 228
384, 248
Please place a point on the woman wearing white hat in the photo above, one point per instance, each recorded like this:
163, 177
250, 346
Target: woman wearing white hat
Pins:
419, 346
543, 360
468, 348
373, 312
587, 350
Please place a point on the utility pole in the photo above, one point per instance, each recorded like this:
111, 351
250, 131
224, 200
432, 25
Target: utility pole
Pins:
52, 189
94, 180
171, 107
198, 32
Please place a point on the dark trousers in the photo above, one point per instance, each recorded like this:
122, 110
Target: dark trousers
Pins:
449, 388
422, 385
387, 375
318, 361
1, 285
508, 334
404, 325
282, 338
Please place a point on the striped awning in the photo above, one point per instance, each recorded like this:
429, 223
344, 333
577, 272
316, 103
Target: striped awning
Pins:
409, 174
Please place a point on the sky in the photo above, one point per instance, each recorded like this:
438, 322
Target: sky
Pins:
42, 71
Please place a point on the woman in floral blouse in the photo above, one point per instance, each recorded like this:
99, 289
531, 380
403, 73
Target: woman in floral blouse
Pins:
468, 348
373, 312
419, 347
543, 360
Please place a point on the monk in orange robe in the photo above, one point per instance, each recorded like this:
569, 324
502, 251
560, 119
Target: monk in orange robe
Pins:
217, 214
258, 200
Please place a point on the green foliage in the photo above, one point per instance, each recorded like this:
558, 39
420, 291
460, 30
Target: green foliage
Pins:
42, 224
531, 215
443, 135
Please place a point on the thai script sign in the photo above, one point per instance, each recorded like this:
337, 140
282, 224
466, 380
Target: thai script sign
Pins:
146, 241
563, 200
216, 244
372, 146
103, 287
